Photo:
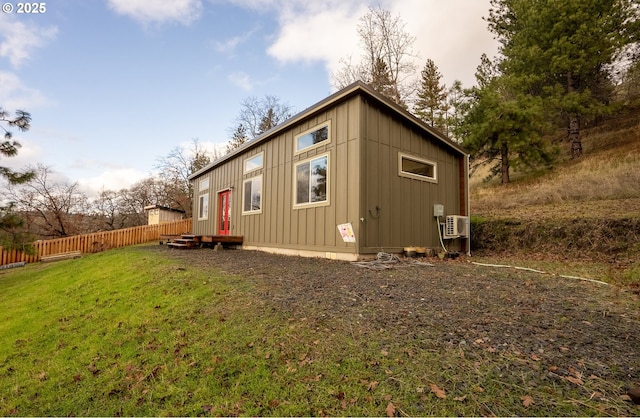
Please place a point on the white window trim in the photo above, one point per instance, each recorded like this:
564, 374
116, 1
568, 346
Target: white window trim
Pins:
203, 198
295, 182
204, 184
401, 173
244, 182
297, 151
244, 163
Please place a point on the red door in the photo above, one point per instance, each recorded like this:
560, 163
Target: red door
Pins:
224, 212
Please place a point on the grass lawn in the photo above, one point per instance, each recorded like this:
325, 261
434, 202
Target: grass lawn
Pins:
130, 332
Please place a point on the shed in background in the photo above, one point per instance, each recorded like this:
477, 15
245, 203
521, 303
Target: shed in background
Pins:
161, 214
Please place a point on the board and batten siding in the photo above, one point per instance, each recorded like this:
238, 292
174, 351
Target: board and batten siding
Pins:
279, 224
399, 210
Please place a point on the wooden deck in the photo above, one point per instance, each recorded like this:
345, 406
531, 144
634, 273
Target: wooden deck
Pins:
198, 241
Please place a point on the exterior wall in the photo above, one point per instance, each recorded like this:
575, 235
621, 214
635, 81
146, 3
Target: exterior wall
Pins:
159, 216
280, 225
398, 211
387, 211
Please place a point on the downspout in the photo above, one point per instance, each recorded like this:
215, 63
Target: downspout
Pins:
468, 203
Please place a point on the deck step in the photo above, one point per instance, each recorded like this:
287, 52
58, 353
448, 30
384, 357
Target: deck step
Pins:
187, 241
178, 245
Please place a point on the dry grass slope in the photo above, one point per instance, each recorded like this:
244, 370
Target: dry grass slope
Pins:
583, 209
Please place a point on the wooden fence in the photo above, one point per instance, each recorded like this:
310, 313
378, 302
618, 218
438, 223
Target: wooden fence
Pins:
97, 241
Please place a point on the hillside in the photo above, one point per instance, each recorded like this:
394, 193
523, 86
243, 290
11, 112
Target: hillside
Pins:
582, 210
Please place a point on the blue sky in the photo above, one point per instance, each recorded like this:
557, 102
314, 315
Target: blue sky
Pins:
113, 85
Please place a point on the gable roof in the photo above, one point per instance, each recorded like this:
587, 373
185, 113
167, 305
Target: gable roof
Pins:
350, 91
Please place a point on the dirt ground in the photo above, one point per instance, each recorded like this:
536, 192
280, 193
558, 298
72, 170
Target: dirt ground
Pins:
563, 323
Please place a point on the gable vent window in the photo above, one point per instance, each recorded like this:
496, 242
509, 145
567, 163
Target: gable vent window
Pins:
417, 168
253, 163
312, 138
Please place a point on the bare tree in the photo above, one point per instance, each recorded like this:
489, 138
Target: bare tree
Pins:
53, 208
383, 38
110, 207
256, 117
175, 169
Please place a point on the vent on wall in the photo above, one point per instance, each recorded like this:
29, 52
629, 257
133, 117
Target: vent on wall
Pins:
456, 226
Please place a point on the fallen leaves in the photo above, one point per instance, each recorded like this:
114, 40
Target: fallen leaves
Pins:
440, 393
574, 380
390, 410
527, 401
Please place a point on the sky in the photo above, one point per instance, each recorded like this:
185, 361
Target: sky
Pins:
114, 85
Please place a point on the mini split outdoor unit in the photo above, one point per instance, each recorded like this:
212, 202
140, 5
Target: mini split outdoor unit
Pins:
456, 226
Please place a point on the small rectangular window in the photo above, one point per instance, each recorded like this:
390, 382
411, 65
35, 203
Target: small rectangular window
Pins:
417, 168
204, 184
253, 163
252, 195
311, 181
203, 207
312, 137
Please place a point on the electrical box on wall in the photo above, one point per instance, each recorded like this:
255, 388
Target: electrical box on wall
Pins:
438, 210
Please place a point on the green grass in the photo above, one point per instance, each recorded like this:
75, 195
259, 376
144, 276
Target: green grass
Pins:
129, 332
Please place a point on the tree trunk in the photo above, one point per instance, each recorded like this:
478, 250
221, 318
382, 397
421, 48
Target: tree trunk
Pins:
504, 167
573, 134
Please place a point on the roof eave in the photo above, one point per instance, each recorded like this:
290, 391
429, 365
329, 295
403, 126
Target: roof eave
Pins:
351, 90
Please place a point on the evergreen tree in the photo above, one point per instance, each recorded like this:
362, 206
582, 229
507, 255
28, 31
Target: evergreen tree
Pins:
502, 125
9, 147
431, 105
456, 104
562, 50
256, 117
268, 121
238, 138
12, 234
381, 79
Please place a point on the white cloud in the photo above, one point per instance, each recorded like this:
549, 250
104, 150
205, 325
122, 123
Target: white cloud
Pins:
110, 179
242, 80
325, 36
159, 11
14, 95
229, 45
18, 38
451, 33
28, 154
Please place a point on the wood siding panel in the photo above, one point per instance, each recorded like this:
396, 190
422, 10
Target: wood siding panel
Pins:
279, 224
406, 216
365, 138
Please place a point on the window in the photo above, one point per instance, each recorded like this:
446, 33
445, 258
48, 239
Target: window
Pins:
417, 168
253, 163
203, 206
204, 184
252, 195
311, 181
312, 137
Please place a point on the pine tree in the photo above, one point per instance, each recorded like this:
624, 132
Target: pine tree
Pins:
381, 79
268, 121
561, 51
431, 105
9, 147
502, 126
238, 138
12, 233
